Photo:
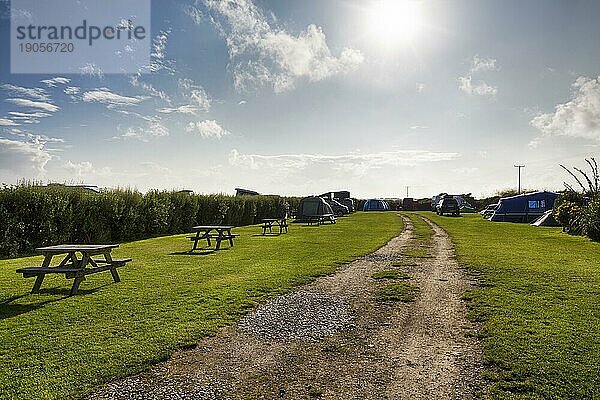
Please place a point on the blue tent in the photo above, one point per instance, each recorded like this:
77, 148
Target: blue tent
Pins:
524, 207
376, 205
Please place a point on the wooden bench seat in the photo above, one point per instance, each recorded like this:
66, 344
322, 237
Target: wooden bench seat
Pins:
214, 236
72, 272
320, 219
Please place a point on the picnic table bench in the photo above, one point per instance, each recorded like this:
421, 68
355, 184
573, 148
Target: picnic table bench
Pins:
223, 232
268, 223
74, 267
320, 219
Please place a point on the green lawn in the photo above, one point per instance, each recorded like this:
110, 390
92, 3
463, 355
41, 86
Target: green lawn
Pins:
56, 347
539, 305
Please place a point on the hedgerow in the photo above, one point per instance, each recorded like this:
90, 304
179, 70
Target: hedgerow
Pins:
33, 216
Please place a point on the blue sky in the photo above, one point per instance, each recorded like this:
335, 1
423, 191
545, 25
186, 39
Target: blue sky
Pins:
300, 97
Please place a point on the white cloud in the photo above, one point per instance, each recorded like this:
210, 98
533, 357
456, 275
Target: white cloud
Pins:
579, 117
185, 109
480, 64
159, 60
266, 55
34, 104
357, 162
79, 169
35, 138
534, 143
92, 70
71, 90
194, 13
194, 93
7, 122
22, 158
135, 81
33, 93
28, 118
105, 96
208, 129
479, 88
152, 128
56, 81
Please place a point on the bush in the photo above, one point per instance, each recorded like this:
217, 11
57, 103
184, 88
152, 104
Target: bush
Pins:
568, 210
33, 216
590, 219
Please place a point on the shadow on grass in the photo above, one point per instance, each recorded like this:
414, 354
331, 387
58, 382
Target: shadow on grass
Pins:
268, 234
198, 252
8, 309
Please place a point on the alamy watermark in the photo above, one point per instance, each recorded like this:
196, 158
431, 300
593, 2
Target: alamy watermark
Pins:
80, 36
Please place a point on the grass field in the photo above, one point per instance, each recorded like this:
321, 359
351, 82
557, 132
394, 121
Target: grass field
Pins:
539, 305
58, 347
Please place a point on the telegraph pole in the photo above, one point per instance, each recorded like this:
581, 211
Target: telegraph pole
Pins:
407, 191
519, 167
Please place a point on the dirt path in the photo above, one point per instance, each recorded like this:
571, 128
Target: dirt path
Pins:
333, 339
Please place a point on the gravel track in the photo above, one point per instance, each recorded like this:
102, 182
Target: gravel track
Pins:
332, 339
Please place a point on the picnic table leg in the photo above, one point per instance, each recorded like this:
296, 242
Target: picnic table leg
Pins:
38, 283
195, 246
76, 283
230, 238
115, 275
113, 270
40, 278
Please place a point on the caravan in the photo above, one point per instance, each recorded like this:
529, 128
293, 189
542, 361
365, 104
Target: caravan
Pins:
524, 207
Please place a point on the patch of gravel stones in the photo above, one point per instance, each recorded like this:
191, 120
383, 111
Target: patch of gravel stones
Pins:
385, 257
302, 316
169, 389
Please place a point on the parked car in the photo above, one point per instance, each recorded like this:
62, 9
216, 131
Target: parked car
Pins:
488, 210
448, 205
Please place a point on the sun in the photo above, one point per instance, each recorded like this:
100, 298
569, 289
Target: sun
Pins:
394, 22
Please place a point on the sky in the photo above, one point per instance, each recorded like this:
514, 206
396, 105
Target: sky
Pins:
300, 97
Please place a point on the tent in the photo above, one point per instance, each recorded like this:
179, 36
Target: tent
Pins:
376, 205
337, 207
311, 206
524, 207
547, 219
348, 202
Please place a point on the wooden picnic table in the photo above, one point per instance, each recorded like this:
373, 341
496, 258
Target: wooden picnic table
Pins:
223, 232
320, 219
268, 223
74, 266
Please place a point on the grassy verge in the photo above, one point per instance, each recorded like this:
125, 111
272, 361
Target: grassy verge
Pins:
390, 274
404, 292
58, 347
539, 304
422, 238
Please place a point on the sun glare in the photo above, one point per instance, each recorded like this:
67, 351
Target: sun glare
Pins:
393, 22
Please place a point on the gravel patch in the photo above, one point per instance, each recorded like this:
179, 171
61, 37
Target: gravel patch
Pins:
134, 388
303, 316
381, 257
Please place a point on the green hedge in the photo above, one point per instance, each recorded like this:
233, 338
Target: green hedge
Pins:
33, 216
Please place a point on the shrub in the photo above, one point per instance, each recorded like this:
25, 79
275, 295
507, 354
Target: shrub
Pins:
568, 210
33, 216
590, 219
